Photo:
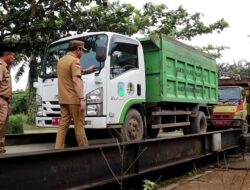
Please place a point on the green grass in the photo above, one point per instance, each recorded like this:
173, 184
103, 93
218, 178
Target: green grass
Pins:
18, 124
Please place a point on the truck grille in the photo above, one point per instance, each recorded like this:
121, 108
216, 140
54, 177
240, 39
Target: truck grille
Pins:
54, 102
55, 109
51, 108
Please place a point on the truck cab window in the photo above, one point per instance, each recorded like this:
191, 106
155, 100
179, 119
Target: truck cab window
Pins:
59, 49
54, 53
124, 58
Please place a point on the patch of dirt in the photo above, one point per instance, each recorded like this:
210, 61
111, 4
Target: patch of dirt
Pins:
235, 175
216, 180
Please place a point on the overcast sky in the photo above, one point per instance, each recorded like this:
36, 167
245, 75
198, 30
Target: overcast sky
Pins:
236, 13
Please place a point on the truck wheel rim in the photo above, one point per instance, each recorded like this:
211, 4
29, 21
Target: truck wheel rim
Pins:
133, 129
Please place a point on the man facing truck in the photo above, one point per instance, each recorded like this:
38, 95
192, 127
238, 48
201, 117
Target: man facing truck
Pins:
71, 96
7, 58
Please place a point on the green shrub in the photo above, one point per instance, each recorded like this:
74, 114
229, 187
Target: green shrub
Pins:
15, 124
149, 185
19, 102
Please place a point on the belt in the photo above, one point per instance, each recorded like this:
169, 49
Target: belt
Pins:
5, 98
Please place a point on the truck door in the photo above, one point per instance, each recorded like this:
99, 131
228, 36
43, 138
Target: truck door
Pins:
126, 78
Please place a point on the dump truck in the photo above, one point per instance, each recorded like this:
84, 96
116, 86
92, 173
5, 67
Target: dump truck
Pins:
140, 86
233, 108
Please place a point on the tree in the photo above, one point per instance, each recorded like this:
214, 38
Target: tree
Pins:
241, 67
32, 24
35, 23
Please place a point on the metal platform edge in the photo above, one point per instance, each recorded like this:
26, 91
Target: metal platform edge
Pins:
97, 165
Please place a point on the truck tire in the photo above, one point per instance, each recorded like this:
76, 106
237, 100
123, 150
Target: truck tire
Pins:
199, 123
133, 127
244, 127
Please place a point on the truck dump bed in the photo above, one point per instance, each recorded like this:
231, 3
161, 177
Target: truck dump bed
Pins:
176, 72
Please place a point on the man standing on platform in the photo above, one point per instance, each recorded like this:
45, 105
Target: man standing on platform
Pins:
71, 95
7, 58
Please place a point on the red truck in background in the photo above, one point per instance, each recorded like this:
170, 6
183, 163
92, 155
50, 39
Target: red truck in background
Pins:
233, 109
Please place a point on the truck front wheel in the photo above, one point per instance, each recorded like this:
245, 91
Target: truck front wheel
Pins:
199, 124
133, 127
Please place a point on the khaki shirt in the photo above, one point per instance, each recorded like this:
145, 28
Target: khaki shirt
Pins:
5, 80
68, 67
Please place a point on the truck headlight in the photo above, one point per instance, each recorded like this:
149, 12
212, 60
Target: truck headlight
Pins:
94, 109
238, 115
39, 111
39, 105
38, 100
95, 102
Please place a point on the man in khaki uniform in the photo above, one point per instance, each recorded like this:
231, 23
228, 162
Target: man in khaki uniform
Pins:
7, 58
71, 96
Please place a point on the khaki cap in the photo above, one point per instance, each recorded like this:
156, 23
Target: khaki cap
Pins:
77, 43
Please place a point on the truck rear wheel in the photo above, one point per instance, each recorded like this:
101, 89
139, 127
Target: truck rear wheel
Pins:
244, 127
133, 128
199, 124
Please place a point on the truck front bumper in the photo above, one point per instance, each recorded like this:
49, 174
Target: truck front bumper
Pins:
224, 122
90, 122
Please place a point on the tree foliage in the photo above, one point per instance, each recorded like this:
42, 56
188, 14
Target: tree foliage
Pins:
241, 67
35, 23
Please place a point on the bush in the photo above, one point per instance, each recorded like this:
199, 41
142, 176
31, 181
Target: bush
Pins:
19, 102
149, 185
15, 124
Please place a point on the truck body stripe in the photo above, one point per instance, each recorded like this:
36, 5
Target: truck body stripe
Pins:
126, 107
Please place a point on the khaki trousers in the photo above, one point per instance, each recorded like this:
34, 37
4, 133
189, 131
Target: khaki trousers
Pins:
68, 112
4, 112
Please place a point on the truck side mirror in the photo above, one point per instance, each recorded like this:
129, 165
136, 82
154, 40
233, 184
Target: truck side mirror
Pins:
243, 92
101, 53
100, 56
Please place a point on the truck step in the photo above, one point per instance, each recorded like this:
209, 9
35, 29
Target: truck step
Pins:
170, 125
165, 112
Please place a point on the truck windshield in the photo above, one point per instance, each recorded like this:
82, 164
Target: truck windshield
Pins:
57, 50
229, 94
